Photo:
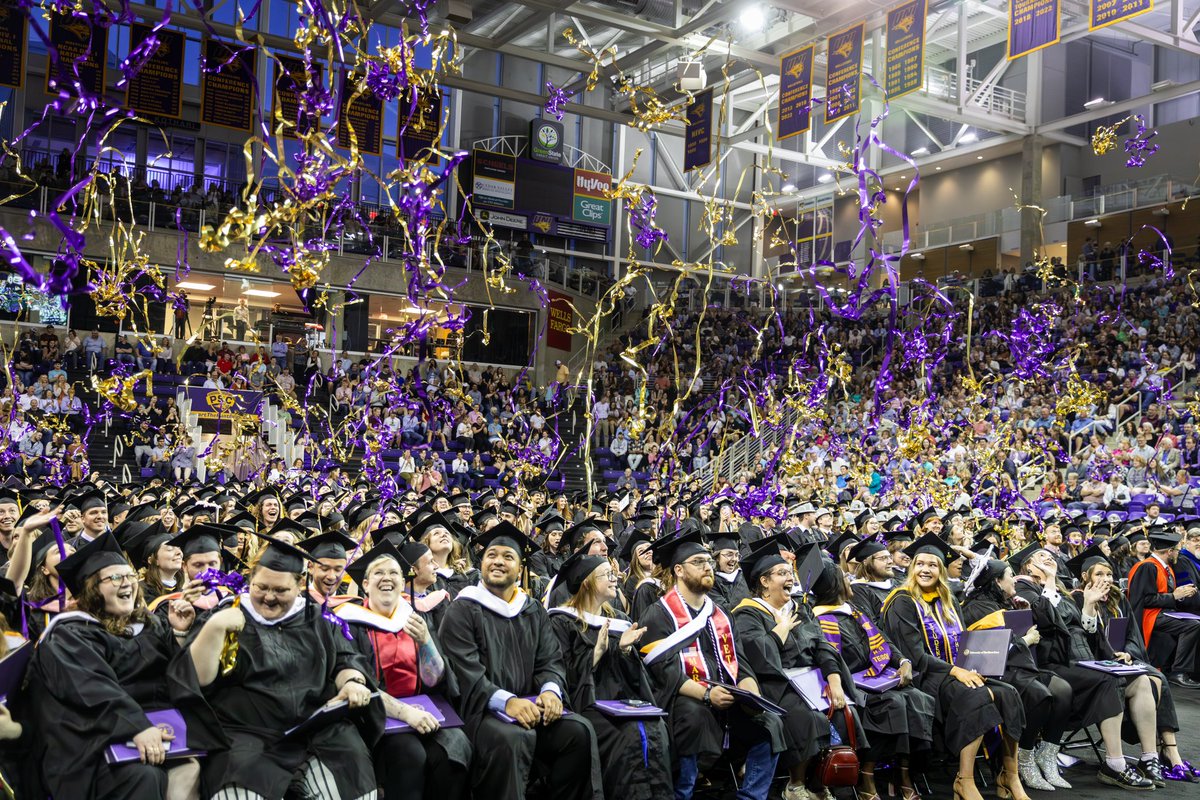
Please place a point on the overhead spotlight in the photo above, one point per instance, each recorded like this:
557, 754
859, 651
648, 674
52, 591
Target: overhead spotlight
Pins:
968, 138
939, 169
753, 18
979, 158
788, 187
1098, 102
1162, 86
1092, 223
967, 247
920, 151
824, 177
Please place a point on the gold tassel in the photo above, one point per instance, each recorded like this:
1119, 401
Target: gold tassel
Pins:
229, 651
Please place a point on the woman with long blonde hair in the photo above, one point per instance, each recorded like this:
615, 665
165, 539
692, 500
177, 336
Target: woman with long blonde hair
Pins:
924, 620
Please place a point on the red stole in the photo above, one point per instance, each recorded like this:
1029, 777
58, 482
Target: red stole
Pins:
694, 664
395, 661
1162, 581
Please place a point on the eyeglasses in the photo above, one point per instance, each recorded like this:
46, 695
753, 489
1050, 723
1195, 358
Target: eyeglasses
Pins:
704, 562
118, 580
607, 576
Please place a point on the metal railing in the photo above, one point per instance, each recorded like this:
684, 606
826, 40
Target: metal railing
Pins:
516, 145
745, 450
994, 99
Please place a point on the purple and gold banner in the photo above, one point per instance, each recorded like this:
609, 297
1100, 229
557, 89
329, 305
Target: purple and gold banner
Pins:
362, 112
291, 80
420, 122
224, 403
1032, 25
843, 73
1109, 12
13, 23
227, 91
697, 144
81, 51
905, 53
795, 92
158, 86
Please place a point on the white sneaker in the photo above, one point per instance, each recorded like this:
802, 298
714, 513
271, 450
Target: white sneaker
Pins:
796, 791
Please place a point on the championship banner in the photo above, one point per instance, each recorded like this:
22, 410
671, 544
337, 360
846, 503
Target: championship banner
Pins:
905, 53
1032, 25
227, 86
363, 112
795, 93
697, 143
224, 403
1109, 12
843, 73
558, 328
81, 51
420, 122
591, 202
13, 23
290, 80
157, 88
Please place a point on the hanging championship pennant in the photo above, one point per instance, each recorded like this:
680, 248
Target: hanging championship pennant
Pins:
227, 85
13, 23
795, 92
843, 73
1032, 25
157, 88
81, 56
697, 148
420, 122
1109, 12
291, 79
362, 111
905, 53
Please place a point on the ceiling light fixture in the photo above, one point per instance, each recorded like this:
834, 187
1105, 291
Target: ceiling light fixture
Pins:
1098, 102
753, 18
195, 286
824, 177
260, 293
921, 151
788, 187
968, 138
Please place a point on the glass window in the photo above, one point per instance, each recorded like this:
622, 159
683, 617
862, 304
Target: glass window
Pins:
171, 163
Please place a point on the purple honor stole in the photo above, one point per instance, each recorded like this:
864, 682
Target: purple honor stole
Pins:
942, 630
881, 654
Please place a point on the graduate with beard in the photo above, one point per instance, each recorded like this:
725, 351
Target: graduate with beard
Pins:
506, 660
691, 650
288, 662
598, 644
424, 761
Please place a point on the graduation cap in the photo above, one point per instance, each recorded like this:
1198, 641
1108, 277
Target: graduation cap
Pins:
287, 525
898, 535
428, 523
863, 518
823, 512
865, 549
671, 550
461, 501
328, 545
1161, 539
202, 538
42, 546
485, 497
311, 522
925, 516
481, 518
808, 565
507, 535
90, 558
826, 581
144, 544
254, 497
933, 545
1017, 560
762, 558
575, 535
1086, 560
242, 520
723, 540
390, 533
360, 513
87, 500
385, 549
801, 509
635, 538
835, 546
576, 569
9, 497
142, 512
281, 556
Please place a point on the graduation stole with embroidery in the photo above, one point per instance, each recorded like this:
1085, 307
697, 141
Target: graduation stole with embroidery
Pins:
942, 630
694, 665
881, 654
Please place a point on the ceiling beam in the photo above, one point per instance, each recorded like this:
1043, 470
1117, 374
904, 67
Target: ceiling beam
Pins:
1173, 93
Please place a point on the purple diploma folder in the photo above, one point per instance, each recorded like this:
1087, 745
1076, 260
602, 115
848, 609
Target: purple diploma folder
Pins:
436, 706
1114, 667
1181, 615
812, 687
631, 709
12, 669
170, 721
984, 651
1117, 633
888, 679
1019, 620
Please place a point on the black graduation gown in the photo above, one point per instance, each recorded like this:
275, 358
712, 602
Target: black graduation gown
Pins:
1168, 718
520, 654
88, 689
868, 597
644, 596
900, 720
635, 762
455, 582
545, 564
696, 729
728, 593
964, 713
283, 674
1095, 696
807, 730
433, 614
452, 742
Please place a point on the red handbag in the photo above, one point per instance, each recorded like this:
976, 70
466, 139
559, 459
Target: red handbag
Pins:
838, 765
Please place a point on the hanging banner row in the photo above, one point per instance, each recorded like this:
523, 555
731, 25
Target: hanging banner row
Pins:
228, 83
1032, 25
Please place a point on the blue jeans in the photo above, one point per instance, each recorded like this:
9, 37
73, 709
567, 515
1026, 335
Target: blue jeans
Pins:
756, 785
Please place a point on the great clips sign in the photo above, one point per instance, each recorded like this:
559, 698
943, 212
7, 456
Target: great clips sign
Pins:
592, 205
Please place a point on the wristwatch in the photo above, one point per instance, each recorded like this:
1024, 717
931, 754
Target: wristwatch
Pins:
708, 697
360, 680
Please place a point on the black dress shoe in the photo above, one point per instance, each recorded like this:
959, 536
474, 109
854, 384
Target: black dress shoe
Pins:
1184, 682
1129, 779
1152, 768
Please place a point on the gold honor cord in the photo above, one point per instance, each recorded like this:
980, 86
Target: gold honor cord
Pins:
229, 650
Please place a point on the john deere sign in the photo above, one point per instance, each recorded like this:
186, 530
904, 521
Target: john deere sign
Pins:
592, 205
